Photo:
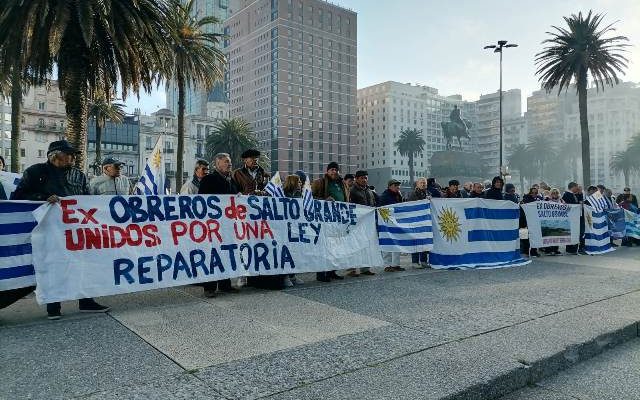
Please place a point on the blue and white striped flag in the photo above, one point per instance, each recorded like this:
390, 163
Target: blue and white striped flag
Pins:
597, 201
152, 179
307, 197
596, 232
632, 224
405, 227
9, 182
16, 224
274, 187
475, 233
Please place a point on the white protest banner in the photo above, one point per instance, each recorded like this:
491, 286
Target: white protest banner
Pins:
552, 224
102, 245
475, 233
9, 182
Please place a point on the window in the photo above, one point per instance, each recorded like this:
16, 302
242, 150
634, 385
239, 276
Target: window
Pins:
22, 153
41, 105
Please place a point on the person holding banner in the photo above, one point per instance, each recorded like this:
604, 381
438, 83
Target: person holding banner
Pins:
530, 197
360, 193
420, 260
495, 192
330, 187
219, 182
251, 178
570, 197
48, 182
391, 196
627, 200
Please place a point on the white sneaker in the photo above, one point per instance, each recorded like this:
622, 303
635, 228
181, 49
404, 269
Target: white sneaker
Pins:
297, 281
287, 282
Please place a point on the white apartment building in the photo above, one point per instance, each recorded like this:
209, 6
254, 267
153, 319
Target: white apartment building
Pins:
384, 110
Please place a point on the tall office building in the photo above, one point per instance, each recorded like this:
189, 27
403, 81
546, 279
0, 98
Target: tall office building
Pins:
488, 128
198, 101
386, 109
292, 76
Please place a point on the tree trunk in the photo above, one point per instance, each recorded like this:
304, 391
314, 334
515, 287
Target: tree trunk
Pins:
584, 128
16, 116
181, 107
411, 169
521, 182
77, 109
98, 146
626, 177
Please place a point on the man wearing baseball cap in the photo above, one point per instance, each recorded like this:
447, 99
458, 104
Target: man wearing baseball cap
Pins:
111, 182
48, 182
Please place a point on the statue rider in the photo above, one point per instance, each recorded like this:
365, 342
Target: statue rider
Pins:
456, 118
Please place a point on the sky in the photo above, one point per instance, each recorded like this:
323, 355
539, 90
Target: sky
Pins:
440, 44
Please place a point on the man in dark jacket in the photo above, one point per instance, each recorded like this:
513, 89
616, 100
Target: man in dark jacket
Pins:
48, 182
391, 196
453, 191
495, 193
433, 188
219, 181
510, 193
477, 191
332, 188
251, 178
361, 194
570, 197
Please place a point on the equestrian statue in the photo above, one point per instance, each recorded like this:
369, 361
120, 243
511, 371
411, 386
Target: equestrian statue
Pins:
457, 127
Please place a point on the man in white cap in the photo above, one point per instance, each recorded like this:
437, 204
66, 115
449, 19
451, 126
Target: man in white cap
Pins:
111, 182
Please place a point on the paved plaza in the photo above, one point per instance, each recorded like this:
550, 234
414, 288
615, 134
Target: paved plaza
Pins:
419, 334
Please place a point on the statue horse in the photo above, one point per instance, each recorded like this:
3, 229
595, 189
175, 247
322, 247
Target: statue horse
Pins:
451, 130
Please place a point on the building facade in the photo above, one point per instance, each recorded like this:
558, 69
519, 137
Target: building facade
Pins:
43, 121
386, 109
292, 76
198, 101
488, 127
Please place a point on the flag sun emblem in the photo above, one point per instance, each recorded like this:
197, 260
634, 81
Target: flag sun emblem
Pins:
449, 224
589, 219
385, 214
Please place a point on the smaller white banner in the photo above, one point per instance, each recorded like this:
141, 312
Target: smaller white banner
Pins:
552, 224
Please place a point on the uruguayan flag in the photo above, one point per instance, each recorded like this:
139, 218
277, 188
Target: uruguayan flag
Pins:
9, 182
307, 197
152, 180
616, 221
596, 232
632, 224
475, 233
405, 227
16, 224
597, 201
274, 187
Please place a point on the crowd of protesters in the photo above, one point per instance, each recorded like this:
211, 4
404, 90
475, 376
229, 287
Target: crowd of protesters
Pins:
58, 178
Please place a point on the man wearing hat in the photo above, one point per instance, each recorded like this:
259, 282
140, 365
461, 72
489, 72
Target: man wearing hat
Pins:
251, 178
360, 193
453, 191
111, 182
330, 187
48, 182
391, 196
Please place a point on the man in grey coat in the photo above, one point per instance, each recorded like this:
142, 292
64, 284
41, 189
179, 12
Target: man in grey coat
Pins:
111, 182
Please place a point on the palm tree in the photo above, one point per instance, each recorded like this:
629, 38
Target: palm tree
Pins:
410, 144
95, 44
542, 151
196, 60
574, 53
102, 111
231, 136
634, 144
626, 162
520, 160
570, 151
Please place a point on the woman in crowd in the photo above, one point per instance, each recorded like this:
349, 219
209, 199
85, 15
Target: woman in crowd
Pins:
292, 188
528, 198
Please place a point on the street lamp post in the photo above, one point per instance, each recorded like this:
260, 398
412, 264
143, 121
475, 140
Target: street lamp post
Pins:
498, 49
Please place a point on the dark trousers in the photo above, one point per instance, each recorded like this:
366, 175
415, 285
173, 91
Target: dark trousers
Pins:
573, 248
419, 257
55, 307
224, 284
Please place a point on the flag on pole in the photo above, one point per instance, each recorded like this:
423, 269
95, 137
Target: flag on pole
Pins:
405, 227
307, 197
9, 182
274, 187
152, 180
16, 223
596, 232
